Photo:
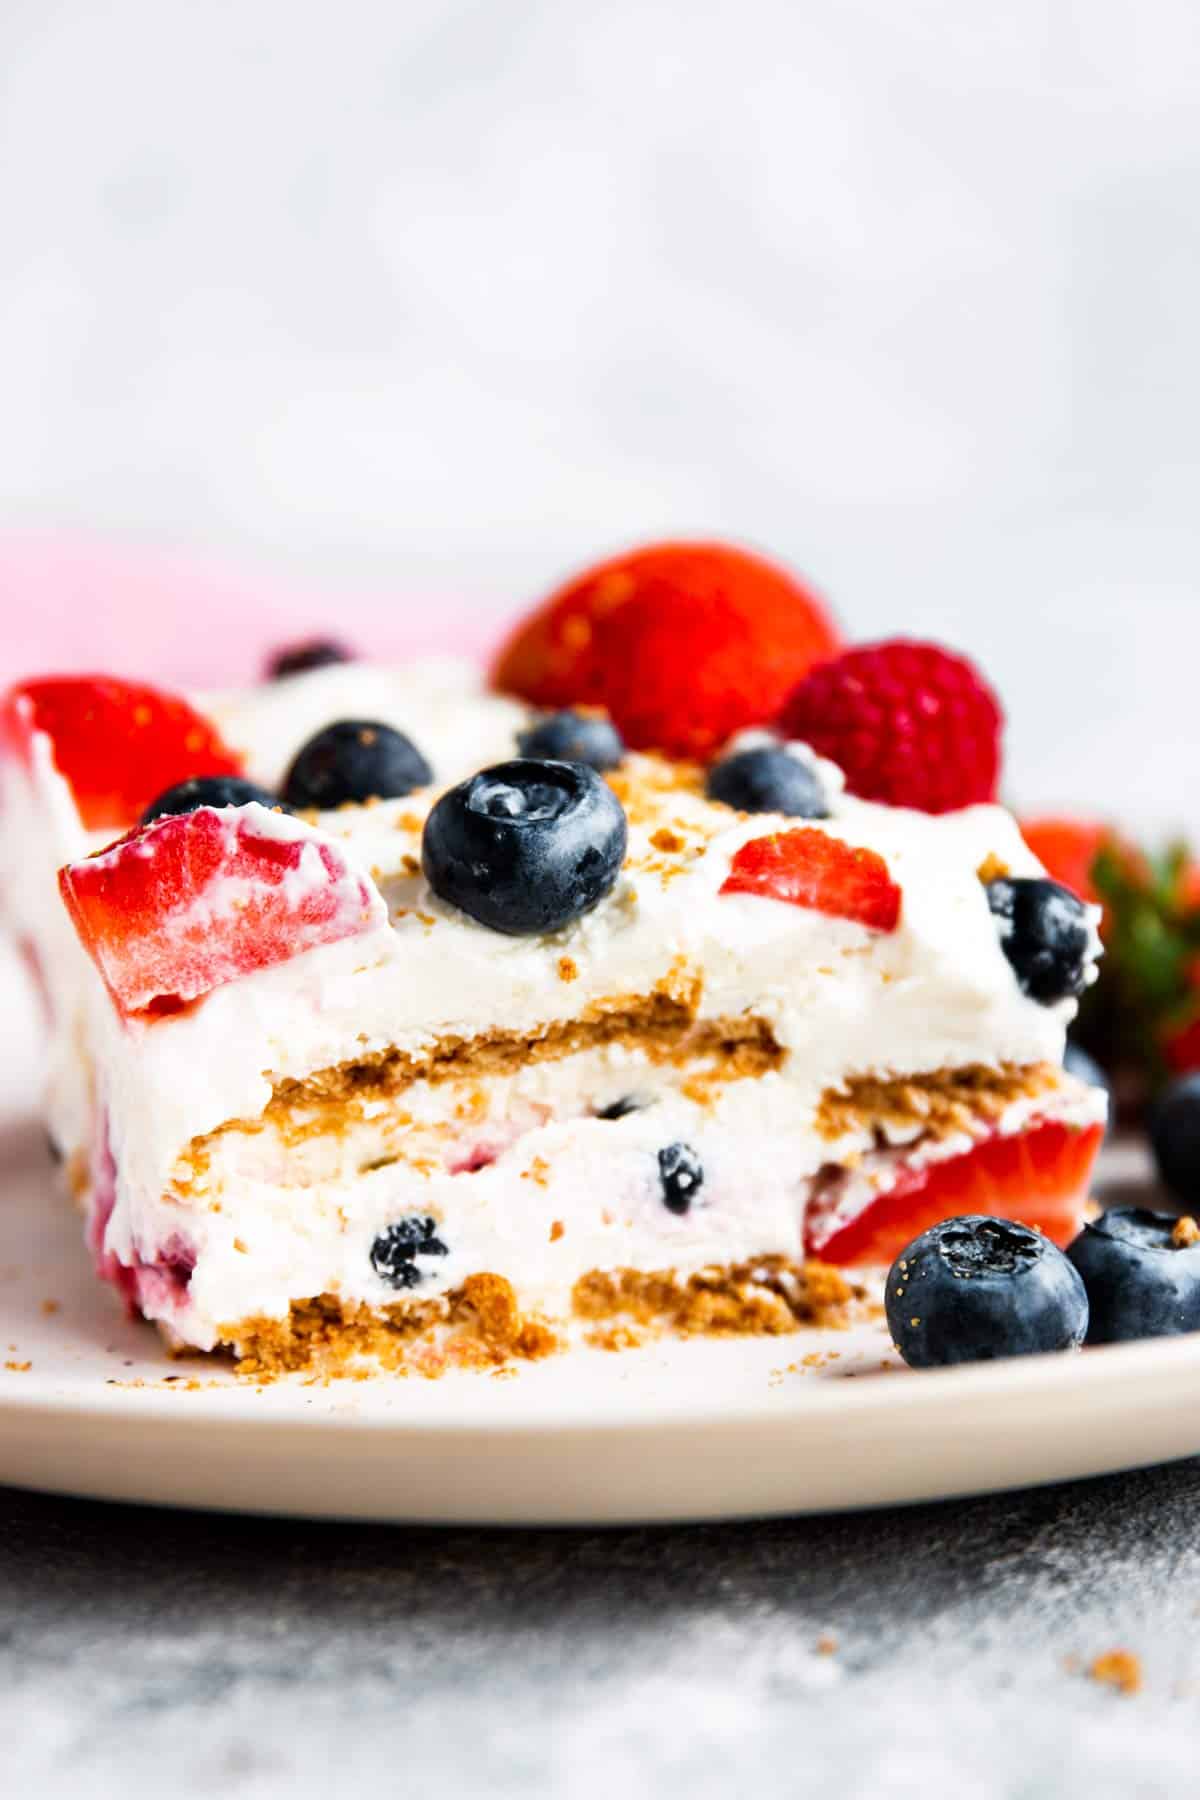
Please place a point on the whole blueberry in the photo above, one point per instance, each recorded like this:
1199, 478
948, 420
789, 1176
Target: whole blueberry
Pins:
355, 760
313, 653
206, 790
395, 1251
768, 779
1175, 1138
973, 1289
525, 847
573, 737
1142, 1275
681, 1175
1044, 933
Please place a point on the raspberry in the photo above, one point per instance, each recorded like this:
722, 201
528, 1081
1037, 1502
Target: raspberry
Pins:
806, 868
683, 644
909, 724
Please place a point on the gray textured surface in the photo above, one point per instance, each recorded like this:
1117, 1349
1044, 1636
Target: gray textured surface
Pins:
149, 1651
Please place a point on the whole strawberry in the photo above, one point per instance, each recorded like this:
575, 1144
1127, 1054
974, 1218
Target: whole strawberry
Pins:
683, 644
909, 724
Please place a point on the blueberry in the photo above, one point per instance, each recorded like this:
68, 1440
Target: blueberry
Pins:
395, 1251
1175, 1139
1142, 1275
681, 1175
573, 737
354, 759
313, 653
1045, 935
206, 790
973, 1288
525, 847
768, 779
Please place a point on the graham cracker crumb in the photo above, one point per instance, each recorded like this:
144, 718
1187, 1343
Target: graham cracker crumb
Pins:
1186, 1232
557, 1230
942, 1103
666, 840
538, 1170
568, 969
50, 1307
765, 1298
827, 1644
1119, 1669
19, 1368
993, 868
478, 1325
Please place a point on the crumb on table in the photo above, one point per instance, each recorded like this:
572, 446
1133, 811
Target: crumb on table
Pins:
1119, 1669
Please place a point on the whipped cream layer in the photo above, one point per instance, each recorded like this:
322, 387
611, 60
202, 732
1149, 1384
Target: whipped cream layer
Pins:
839, 999
522, 1180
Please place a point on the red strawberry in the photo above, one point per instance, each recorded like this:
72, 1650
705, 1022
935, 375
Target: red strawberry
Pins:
118, 743
1068, 848
909, 724
1038, 1177
198, 899
684, 644
807, 868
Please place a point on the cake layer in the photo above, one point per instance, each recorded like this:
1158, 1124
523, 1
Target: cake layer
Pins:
545, 1178
427, 1131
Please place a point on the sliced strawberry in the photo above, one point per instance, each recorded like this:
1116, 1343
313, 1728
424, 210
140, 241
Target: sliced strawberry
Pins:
1037, 1177
119, 744
199, 899
807, 868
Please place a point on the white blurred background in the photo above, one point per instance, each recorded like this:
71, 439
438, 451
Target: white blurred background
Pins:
433, 300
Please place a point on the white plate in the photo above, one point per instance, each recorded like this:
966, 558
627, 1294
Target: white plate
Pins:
90, 1404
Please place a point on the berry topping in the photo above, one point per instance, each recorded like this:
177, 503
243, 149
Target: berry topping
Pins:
681, 1175
1175, 1138
909, 724
117, 743
198, 899
354, 760
1039, 1177
574, 737
525, 847
1044, 933
395, 1251
206, 790
1142, 1275
313, 653
768, 779
684, 644
972, 1289
807, 868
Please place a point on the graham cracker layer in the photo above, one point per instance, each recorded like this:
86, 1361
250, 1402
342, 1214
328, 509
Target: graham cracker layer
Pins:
662, 1026
940, 1104
481, 1325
